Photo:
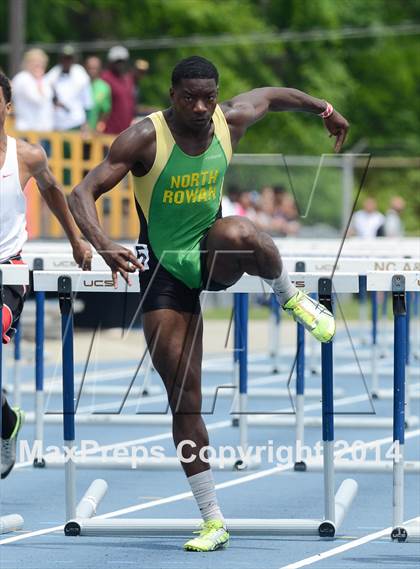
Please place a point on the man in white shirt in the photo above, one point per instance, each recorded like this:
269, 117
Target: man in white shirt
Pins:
394, 226
32, 94
72, 92
367, 222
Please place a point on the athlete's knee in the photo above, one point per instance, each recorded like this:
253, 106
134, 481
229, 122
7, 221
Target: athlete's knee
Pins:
241, 235
6, 323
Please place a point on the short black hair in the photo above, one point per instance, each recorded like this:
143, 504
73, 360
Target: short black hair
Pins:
194, 67
279, 189
6, 87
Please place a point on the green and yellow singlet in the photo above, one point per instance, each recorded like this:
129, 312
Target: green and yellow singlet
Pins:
178, 200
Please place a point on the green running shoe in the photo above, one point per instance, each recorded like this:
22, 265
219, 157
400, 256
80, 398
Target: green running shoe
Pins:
8, 446
212, 535
317, 319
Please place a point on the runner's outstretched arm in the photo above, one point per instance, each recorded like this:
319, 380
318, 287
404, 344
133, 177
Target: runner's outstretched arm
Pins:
246, 109
36, 163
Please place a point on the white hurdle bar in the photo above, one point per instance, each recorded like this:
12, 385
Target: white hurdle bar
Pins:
10, 275
335, 507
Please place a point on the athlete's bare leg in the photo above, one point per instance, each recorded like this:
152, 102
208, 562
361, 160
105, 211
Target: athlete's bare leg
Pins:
175, 342
236, 246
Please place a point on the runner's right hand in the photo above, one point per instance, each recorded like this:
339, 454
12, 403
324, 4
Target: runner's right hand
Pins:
120, 260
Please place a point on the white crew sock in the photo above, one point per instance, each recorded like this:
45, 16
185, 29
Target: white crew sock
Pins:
204, 492
282, 286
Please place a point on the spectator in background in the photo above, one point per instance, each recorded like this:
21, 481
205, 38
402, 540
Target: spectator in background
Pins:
101, 95
393, 226
367, 222
72, 92
230, 201
286, 213
141, 68
245, 205
32, 94
123, 90
279, 192
264, 217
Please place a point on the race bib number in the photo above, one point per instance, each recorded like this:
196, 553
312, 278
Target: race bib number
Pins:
143, 255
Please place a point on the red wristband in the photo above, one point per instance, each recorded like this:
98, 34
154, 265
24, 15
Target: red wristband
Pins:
328, 111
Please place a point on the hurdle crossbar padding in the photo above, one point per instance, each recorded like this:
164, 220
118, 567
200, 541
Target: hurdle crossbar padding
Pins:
87, 506
352, 247
151, 527
226, 391
84, 281
407, 533
136, 391
341, 282
11, 522
101, 281
350, 369
14, 275
63, 261
360, 265
382, 282
268, 392
380, 466
151, 463
296, 247
351, 421
106, 419
267, 527
389, 394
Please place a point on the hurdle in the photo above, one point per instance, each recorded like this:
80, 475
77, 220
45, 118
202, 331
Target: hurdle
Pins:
362, 266
10, 275
60, 260
79, 518
82, 282
352, 264
398, 285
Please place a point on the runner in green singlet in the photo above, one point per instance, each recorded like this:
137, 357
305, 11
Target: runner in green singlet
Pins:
178, 158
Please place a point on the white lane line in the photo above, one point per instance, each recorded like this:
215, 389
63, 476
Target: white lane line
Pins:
154, 503
342, 548
31, 534
183, 495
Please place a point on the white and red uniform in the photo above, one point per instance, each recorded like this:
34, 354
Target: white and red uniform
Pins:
13, 235
13, 232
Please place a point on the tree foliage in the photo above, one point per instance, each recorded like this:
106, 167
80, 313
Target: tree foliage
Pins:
374, 80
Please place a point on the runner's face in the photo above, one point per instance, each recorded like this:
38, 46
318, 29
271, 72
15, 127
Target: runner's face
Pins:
194, 101
5, 108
